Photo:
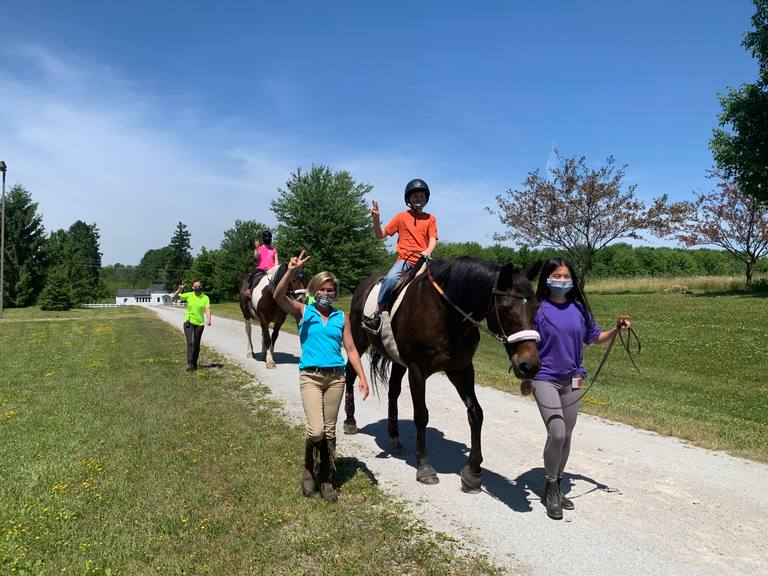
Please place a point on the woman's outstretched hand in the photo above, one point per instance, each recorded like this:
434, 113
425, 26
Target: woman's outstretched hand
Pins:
297, 261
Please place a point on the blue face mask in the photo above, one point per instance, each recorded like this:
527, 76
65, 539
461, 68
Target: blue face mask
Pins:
559, 287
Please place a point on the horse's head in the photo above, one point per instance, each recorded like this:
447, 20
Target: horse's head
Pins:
515, 304
297, 290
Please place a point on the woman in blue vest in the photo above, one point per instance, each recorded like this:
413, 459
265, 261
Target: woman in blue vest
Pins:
323, 330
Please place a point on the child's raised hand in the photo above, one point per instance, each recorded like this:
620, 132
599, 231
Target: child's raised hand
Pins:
375, 209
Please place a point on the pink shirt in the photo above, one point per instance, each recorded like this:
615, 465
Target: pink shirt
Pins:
267, 256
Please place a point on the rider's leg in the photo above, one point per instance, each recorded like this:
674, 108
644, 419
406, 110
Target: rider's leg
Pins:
399, 268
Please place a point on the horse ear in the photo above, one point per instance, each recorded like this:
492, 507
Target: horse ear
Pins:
533, 271
507, 275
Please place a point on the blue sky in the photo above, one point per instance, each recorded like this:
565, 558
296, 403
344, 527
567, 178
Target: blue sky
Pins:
137, 115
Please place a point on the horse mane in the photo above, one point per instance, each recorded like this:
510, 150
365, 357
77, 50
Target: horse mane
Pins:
467, 282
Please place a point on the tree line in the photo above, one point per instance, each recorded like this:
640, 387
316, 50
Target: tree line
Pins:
326, 213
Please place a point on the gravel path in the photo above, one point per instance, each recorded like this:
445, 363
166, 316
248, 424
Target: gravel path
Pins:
645, 504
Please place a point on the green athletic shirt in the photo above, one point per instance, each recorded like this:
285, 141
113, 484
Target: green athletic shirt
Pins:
196, 306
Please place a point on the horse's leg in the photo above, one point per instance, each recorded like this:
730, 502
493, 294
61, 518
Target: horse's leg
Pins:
266, 343
361, 343
425, 473
350, 424
464, 381
249, 353
275, 331
395, 386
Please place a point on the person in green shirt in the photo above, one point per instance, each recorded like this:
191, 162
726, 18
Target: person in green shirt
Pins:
198, 314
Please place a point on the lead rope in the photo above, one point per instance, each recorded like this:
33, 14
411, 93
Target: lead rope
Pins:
625, 345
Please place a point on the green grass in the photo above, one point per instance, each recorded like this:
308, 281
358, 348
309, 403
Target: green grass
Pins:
114, 461
703, 366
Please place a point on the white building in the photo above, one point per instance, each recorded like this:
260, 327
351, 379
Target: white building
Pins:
155, 295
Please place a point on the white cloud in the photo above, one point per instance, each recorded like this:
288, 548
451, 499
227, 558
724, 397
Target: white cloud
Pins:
91, 145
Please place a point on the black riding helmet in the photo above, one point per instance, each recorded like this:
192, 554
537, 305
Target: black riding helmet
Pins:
416, 185
266, 237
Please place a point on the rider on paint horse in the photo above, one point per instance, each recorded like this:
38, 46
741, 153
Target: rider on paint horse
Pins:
266, 256
416, 238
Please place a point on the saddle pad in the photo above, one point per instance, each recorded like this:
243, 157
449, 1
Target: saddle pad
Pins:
387, 336
370, 302
257, 290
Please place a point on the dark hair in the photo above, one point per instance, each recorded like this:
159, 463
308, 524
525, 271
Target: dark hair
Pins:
266, 237
575, 294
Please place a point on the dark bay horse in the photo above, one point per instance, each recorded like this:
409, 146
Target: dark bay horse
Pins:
262, 307
439, 332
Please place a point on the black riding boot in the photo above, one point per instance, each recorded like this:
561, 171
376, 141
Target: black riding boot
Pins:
552, 500
327, 468
311, 451
565, 503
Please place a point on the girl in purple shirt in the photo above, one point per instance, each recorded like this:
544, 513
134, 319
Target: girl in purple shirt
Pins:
565, 324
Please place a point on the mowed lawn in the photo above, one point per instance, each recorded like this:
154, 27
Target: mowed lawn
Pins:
703, 368
115, 461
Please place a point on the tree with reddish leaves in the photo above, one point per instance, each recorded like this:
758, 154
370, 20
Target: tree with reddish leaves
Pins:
580, 210
729, 219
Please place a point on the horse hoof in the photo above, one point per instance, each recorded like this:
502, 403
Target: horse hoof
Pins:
429, 480
426, 474
271, 365
470, 482
350, 427
395, 446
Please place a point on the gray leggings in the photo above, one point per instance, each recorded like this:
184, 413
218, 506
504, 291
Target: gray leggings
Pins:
559, 421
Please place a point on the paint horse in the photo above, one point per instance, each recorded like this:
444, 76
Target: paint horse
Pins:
437, 328
258, 303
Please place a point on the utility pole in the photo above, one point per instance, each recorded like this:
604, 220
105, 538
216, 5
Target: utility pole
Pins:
3, 168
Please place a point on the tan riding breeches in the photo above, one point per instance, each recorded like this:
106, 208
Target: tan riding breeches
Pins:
321, 394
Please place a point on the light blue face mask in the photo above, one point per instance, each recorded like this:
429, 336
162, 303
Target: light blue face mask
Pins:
559, 287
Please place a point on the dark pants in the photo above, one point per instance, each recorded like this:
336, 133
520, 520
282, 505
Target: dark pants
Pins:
194, 334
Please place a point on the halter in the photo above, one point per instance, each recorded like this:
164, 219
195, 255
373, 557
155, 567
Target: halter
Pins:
520, 336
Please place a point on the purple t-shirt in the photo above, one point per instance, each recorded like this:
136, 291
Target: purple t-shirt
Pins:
563, 330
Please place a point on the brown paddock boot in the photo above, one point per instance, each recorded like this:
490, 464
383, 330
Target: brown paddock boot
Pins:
311, 453
327, 468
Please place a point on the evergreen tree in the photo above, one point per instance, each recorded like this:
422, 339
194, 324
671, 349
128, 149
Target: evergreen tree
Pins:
84, 262
180, 256
75, 263
24, 273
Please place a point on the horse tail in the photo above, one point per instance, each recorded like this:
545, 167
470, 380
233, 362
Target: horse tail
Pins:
379, 368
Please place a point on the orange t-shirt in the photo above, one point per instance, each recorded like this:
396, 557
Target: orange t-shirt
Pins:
414, 231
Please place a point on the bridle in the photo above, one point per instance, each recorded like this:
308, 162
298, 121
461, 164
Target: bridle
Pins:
504, 338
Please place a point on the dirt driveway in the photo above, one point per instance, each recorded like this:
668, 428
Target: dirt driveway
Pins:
645, 504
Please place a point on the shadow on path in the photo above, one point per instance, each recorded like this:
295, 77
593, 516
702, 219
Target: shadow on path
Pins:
449, 456
279, 357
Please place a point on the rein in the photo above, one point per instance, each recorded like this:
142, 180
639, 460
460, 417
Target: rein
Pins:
521, 336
